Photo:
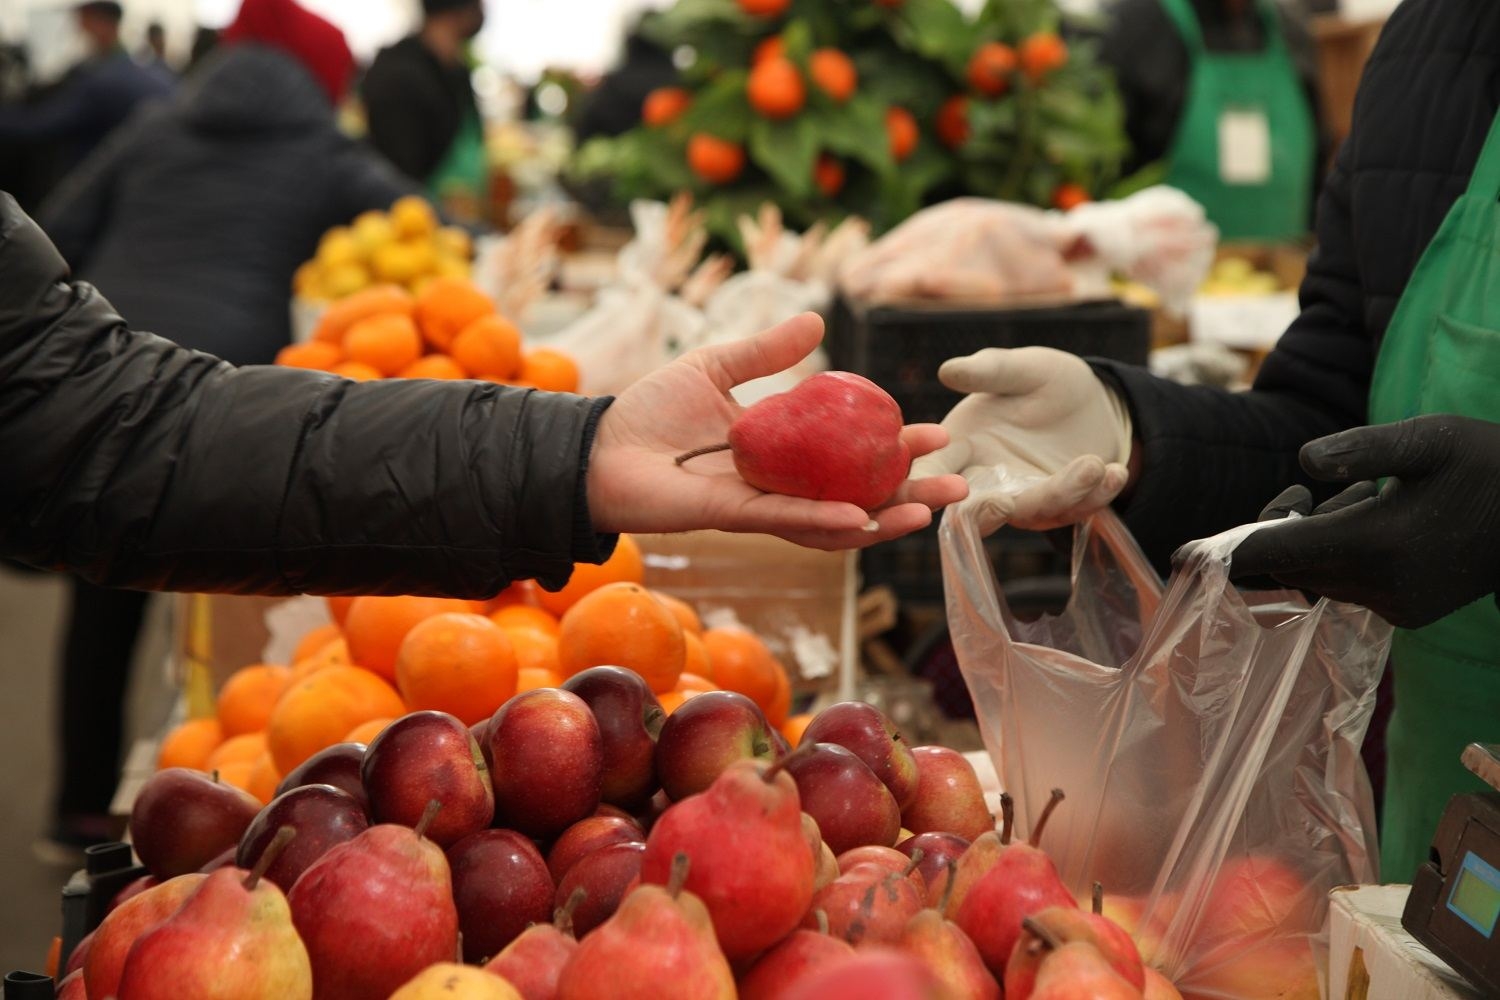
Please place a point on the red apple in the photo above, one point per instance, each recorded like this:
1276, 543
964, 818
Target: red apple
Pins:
425, 756
500, 885
866, 905
866, 732
549, 762
183, 819
606, 875
704, 736
586, 836
340, 765
630, 718
322, 816
949, 798
887, 858
852, 806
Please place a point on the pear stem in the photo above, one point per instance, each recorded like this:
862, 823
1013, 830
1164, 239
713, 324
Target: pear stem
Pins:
917, 854
428, 815
678, 878
563, 918
1098, 899
947, 897
1007, 817
821, 916
1041, 821
269, 855
707, 449
779, 765
1042, 933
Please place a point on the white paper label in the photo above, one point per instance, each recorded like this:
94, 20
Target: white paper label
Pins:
1244, 147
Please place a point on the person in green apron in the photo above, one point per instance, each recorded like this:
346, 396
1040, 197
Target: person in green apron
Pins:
1214, 94
1389, 380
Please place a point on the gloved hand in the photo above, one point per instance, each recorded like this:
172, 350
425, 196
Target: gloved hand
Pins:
1423, 545
1036, 411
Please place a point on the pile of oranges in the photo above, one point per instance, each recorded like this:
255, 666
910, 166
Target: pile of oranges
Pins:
381, 657
449, 330
405, 246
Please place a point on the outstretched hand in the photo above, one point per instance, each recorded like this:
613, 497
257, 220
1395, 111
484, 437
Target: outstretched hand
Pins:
634, 483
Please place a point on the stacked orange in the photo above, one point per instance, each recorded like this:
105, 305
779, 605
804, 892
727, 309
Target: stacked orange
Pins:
449, 329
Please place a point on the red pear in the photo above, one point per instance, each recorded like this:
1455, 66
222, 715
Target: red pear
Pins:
606, 876
1073, 970
1063, 925
658, 946
112, 940
533, 962
798, 955
874, 972
950, 955
750, 860
868, 905
72, 987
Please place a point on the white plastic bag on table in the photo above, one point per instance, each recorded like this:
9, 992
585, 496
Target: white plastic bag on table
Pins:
629, 333
1209, 747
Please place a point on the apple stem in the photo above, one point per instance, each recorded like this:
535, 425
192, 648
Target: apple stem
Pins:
779, 765
1007, 817
917, 854
268, 856
947, 897
1098, 898
428, 815
707, 449
680, 864
1041, 821
1041, 933
563, 918
821, 916
214, 776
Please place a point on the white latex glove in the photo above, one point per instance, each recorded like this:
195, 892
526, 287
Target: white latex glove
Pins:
1039, 414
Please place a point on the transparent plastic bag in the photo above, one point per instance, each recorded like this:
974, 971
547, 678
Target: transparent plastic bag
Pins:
1208, 744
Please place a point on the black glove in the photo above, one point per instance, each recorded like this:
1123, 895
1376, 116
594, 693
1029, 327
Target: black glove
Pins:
1422, 546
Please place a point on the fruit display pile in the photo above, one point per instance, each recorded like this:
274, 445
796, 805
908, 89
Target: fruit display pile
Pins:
405, 246
447, 329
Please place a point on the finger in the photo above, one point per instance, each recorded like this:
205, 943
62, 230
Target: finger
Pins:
765, 353
953, 457
1046, 504
1408, 448
1115, 478
1351, 496
934, 492
1292, 499
999, 371
921, 439
892, 522
1323, 542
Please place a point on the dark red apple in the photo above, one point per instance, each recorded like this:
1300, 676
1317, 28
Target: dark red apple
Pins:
500, 885
852, 806
606, 875
949, 798
586, 836
425, 756
630, 718
183, 819
705, 735
940, 852
865, 731
339, 765
549, 762
322, 816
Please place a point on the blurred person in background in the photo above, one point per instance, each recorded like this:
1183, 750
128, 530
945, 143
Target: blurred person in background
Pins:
93, 98
614, 104
153, 54
420, 106
192, 219
1224, 94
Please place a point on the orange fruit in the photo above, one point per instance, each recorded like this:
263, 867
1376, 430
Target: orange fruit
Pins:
624, 565
534, 650
434, 366
376, 300
715, 160
775, 88
319, 709
249, 694
263, 778
1069, 196
828, 175
834, 73
446, 306
739, 661
54, 956
338, 608
246, 747
695, 657
315, 354
621, 624
238, 773
768, 48
531, 678
765, 8
671, 701
491, 345
520, 592
387, 343
357, 371
334, 653
781, 700
793, 727
377, 625
550, 370
694, 682
686, 616
189, 744
458, 663
314, 640
665, 105
366, 731
1041, 54
952, 122
990, 68
901, 130
522, 616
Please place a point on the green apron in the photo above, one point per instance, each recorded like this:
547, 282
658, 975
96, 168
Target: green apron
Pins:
1441, 354
464, 170
1226, 90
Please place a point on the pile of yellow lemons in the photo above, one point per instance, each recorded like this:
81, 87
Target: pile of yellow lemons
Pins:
405, 246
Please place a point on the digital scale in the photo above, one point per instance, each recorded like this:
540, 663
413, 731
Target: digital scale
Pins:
1454, 906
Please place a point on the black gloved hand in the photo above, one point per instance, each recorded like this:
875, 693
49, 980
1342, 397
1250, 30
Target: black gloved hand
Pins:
1422, 546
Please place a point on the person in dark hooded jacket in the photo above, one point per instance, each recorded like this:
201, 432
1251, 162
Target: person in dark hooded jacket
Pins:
191, 218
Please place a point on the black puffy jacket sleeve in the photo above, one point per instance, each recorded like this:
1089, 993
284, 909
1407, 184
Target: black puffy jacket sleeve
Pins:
137, 463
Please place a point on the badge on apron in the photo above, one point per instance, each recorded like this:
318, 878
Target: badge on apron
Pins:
1244, 146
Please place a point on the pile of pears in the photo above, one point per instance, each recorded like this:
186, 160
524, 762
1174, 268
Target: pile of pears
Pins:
579, 844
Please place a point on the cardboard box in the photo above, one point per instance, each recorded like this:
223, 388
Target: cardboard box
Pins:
1372, 957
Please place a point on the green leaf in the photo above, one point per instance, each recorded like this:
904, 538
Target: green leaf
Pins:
787, 150
721, 108
1150, 175
798, 39
935, 29
857, 130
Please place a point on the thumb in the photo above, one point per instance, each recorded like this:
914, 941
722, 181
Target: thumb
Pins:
765, 353
1412, 447
1000, 371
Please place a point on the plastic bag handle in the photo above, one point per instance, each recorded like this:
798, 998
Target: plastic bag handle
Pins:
1119, 542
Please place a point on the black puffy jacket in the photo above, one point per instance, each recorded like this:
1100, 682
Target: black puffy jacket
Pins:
1425, 104
137, 463
192, 217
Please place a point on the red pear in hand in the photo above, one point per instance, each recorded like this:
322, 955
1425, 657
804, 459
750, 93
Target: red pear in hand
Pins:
533, 962
112, 940
750, 860
798, 955
1074, 970
836, 436
231, 940
659, 946
1022, 882
1066, 924
375, 911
